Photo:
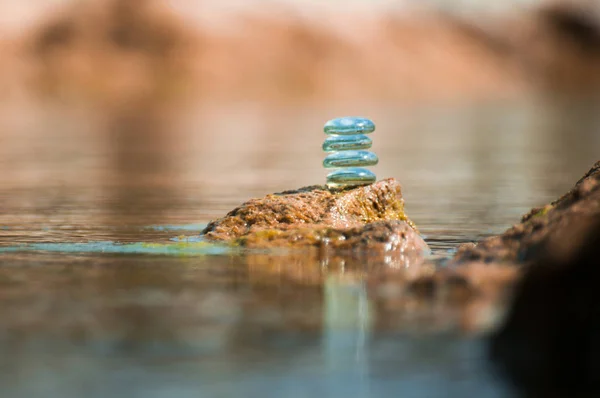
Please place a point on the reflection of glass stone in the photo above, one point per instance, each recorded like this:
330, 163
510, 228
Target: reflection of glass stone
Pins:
350, 159
346, 142
349, 126
350, 176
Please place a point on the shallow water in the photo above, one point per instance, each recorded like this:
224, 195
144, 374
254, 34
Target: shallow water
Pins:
98, 299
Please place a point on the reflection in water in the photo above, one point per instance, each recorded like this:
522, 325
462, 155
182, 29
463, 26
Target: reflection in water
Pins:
211, 324
143, 151
242, 324
347, 324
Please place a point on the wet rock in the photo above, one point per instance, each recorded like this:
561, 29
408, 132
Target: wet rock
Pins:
550, 343
354, 220
558, 222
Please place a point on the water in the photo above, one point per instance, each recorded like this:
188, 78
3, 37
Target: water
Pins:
102, 296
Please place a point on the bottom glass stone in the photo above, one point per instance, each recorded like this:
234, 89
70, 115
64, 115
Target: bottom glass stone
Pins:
350, 176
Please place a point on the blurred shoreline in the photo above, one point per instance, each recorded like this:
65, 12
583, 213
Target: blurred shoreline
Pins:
119, 52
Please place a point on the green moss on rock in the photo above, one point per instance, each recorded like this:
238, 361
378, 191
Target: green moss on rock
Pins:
319, 216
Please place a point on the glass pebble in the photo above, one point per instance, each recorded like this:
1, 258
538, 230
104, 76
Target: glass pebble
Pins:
349, 126
345, 146
350, 176
350, 159
336, 143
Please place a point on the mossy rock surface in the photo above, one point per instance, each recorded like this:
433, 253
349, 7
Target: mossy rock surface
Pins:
560, 223
356, 218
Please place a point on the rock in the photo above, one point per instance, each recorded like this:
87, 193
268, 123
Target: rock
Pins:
558, 222
386, 236
349, 219
550, 342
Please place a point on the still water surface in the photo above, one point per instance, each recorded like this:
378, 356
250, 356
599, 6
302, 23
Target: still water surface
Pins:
80, 316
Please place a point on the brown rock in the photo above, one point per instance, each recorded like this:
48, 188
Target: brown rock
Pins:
386, 236
350, 219
549, 343
557, 222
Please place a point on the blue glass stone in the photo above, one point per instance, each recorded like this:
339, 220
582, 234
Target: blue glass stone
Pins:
350, 159
349, 126
345, 146
346, 143
350, 176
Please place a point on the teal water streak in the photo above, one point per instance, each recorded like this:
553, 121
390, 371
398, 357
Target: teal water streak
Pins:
194, 245
186, 227
180, 248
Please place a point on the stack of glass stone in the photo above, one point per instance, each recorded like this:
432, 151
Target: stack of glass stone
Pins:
345, 144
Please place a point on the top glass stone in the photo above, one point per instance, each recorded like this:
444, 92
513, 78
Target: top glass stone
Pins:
349, 126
